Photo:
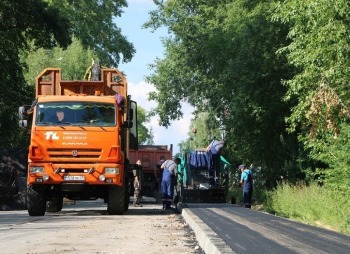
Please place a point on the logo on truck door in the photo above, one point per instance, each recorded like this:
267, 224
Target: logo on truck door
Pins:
51, 135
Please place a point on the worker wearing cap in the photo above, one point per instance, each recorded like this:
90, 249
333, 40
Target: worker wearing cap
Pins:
247, 183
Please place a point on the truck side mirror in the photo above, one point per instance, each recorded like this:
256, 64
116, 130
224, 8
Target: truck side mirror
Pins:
23, 123
21, 113
131, 114
133, 137
128, 124
129, 120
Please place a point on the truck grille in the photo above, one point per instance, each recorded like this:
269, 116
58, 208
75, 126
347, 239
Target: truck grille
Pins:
60, 153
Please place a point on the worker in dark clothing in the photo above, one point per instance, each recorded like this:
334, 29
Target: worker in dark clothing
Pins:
178, 185
247, 184
137, 184
137, 191
158, 172
168, 180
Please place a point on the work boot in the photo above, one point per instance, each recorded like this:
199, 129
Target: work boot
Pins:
167, 205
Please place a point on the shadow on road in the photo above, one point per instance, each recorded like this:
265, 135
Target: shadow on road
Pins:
91, 208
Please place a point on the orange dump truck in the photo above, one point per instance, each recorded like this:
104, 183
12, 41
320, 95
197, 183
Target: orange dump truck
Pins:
81, 132
149, 156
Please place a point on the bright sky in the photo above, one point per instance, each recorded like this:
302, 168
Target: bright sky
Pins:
148, 47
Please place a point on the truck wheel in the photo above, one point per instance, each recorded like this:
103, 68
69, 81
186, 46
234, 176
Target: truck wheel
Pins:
127, 201
127, 195
55, 205
116, 200
36, 203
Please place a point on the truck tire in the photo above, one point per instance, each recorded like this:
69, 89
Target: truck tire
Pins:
36, 203
127, 199
116, 200
127, 187
55, 205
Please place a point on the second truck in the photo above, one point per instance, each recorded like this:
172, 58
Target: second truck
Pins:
81, 132
149, 156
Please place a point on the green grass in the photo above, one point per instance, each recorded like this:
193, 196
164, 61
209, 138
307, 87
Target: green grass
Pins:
311, 204
259, 195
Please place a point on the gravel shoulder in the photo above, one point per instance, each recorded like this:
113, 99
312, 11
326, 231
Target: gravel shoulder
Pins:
87, 228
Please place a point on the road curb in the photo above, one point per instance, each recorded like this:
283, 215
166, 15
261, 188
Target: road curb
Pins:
206, 237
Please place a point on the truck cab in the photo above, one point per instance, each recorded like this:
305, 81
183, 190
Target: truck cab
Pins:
81, 132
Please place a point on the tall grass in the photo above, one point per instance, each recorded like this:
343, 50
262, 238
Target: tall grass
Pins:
259, 196
311, 204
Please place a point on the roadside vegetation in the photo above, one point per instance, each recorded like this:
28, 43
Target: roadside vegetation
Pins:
312, 204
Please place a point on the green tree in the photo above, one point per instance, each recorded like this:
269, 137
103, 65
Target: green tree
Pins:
144, 134
93, 23
319, 49
20, 23
150, 139
74, 61
201, 133
221, 58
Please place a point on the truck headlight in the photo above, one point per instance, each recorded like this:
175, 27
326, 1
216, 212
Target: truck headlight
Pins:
36, 170
111, 170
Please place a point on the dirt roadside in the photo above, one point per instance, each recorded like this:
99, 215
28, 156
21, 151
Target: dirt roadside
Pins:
157, 231
87, 228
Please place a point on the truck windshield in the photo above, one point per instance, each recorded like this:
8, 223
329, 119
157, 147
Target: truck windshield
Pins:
76, 113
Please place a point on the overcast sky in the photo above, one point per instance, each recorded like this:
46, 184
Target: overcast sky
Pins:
148, 47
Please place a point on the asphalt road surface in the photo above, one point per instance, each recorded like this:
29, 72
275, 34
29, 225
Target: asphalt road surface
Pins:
235, 229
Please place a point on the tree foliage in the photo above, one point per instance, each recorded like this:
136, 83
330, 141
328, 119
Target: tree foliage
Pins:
22, 22
221, 58
201, 133
256, 64
73, 60
93, 23
319, 49
144, 134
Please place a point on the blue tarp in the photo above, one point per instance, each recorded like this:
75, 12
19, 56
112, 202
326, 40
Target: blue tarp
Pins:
198, 160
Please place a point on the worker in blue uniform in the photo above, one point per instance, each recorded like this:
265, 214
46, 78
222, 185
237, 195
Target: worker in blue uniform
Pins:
247, 184
168, 180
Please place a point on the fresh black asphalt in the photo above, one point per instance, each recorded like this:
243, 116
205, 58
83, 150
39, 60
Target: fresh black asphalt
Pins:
248, 231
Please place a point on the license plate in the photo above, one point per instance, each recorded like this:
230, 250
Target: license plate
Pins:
74, 178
